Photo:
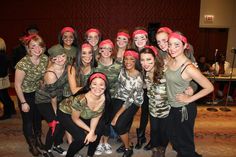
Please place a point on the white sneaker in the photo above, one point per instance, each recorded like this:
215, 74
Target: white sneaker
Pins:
99, 149
107, 148
230, 99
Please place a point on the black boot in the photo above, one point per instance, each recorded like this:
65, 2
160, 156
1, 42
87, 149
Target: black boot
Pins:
148, 146
32, 146
128, 153
141, 139
39, 142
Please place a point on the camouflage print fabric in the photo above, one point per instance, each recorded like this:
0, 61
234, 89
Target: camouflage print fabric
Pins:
112, 73
79, 103
156, 92
48, 91
33, 73
71, 54
130, 89
83, 78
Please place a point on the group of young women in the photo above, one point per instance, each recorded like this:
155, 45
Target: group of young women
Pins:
86, 91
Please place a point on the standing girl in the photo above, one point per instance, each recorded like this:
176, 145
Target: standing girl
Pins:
153, 66
140, 40
29, 71
180, 71
93, 36
48, 96
128, 98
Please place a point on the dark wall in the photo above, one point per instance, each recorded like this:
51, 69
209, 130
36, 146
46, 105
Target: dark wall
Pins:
107, 15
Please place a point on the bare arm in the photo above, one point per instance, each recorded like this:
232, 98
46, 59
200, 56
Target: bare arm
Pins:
193, 73
72, 79
75, 117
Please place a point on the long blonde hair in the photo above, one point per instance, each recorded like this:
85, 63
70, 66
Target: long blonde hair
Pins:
2, 45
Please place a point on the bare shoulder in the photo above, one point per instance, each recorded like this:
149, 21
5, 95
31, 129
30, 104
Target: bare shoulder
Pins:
50, 77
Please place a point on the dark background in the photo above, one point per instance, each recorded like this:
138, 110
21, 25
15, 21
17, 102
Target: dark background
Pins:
108, 15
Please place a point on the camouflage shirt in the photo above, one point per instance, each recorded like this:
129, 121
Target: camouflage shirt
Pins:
156, 92
33, 73
112, 72
71, 54
79, 103
130, 89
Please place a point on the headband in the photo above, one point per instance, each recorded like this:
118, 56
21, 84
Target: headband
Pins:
165, 29
85, 45
97, 75
67, 29
123, 34
178, 36
153, 49
140, 31
106, 42
131, 53
92, 30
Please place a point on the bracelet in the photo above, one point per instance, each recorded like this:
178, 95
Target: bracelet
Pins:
23, 103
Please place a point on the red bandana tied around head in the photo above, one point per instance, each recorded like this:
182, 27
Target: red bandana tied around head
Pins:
106, 42
164, 29
97, 75
85, 45
92, 30
67, 29
123, 34
140, 31
178, 36
131, 53
153, 49
53, 125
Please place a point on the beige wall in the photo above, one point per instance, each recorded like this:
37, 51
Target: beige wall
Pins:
224, 12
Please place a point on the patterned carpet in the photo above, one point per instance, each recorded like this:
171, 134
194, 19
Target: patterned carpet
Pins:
215, 136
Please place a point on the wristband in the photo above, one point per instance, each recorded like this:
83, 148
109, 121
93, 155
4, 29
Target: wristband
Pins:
23, 103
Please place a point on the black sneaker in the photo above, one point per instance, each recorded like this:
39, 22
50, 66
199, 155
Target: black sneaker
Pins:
59, 150
48, 154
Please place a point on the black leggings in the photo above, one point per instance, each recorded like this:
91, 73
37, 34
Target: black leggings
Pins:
125, 120
159, 131
32, 119
182, 133
46, 110
79, 134
144, 112
8, 104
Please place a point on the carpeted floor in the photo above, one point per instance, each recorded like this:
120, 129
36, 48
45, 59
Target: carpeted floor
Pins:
215, 136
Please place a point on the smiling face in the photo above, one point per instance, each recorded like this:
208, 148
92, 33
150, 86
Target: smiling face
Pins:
86, 55
147, 61
176, 47
97, 86
34, 48
93, 38
68, 39
162, 41
122, 41
129, 63
106, 51
140, 40
60, 59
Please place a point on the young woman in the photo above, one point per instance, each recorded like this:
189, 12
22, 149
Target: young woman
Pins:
68, 39
80, 71
122, 43
180, 71
93, 37
153, 66
48, 96
140, 40
128, 98
8, 104
106, 64
29, 72
82, 115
